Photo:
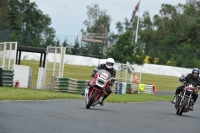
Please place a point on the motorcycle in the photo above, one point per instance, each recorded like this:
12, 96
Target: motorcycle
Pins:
184, 100
99, 84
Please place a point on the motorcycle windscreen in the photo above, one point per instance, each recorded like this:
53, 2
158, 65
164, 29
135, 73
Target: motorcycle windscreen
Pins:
104, 74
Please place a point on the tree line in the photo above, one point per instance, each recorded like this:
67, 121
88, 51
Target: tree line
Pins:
171, 37
23, 22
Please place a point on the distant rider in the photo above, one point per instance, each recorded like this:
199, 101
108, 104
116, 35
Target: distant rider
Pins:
192, 78
108, 67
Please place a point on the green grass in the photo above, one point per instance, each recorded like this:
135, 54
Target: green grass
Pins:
70, 71
84, 72
113, 98
29, 94
161, 82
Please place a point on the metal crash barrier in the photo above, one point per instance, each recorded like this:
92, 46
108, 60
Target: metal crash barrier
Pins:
6, 77
131, 88
147, 89
70, 85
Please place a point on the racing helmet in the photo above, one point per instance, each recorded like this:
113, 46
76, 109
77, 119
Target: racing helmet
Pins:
195, 72
110, 63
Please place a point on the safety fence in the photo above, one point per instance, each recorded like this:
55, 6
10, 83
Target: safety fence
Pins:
126, 88
147, 88
131, 88
6, 77
70, 85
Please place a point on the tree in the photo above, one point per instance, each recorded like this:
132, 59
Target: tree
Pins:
27, 24
34, 23
48, 37
76, 49
147, 34
112, 39
4, 18
119, 27
67, 45
126, 24
174, 30
125, 50
97, 22
57, 44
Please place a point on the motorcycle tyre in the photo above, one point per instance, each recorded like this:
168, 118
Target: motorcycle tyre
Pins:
91, 101
183, 107
177, 111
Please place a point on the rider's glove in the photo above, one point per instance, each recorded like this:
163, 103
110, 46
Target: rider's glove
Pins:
198, 88
181, 79
185, 83
111, 84
112, 81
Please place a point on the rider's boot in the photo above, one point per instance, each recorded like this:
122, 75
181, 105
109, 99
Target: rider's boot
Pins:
191, 107
83, 93
105, 96
101, 102
174, 100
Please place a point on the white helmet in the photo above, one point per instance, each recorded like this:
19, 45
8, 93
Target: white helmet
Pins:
110, 63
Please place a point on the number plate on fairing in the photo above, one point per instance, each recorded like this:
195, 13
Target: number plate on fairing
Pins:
104, 76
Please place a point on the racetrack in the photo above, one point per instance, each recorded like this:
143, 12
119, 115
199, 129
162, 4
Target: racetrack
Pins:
70, 116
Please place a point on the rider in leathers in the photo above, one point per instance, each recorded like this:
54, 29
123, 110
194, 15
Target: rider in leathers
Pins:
192, 78
109, 67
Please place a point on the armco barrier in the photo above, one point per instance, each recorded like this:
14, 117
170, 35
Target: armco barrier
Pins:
61, 84
69, 85
118, 87
129, 88
146, 88
125, 88
6, 77
113, 88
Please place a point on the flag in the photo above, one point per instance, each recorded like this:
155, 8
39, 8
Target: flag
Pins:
134, 11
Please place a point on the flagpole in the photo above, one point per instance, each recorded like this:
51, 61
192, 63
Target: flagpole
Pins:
136, 35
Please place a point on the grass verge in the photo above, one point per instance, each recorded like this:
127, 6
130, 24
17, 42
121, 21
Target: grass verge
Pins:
83, 73
29, 94
115, 98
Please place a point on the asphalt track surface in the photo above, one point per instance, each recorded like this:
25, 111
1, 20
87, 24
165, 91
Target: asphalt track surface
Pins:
71, 116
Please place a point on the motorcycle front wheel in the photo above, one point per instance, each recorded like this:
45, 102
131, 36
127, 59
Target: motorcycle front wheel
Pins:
180, 110
91, 100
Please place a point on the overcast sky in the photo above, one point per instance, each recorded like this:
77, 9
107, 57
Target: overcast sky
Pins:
67, 16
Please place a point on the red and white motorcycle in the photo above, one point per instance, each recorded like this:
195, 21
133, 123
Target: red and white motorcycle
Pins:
99, 84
